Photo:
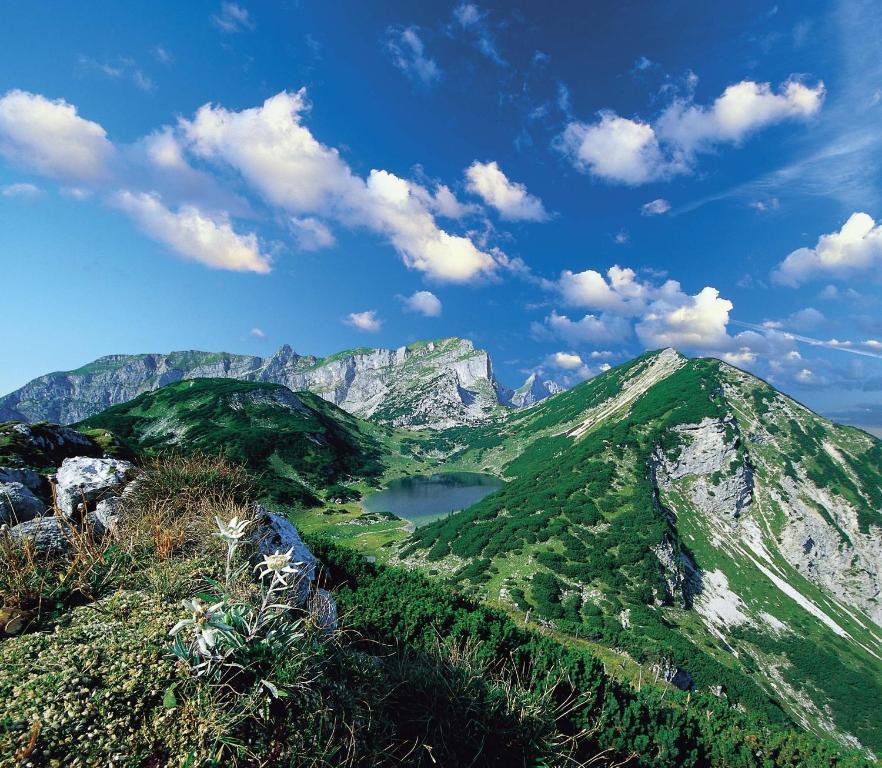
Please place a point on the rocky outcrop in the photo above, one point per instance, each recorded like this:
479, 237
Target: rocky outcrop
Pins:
678, 574
822, 539
366, 382
271, 533
87, 480
532, 391
37, 483
105, 518
718, 478
19, 504
41, 446
440, 402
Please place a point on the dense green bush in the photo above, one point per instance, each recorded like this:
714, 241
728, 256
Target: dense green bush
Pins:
395, 607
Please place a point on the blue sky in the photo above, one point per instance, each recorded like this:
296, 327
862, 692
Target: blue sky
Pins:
565, 184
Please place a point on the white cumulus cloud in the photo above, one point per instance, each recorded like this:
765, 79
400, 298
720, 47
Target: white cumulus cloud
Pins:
280, 158
509, 198
620, 291
568, 361
424, 303
616, 149
49, 137
630, 151
686, 322
743, 108
365, 321
661, 315
193, 234
856, 249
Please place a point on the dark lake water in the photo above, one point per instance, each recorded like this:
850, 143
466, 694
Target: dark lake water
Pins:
425, 498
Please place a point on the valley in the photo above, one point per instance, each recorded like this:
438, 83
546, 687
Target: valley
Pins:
677, 517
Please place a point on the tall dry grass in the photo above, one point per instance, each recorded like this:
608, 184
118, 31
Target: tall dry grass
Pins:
168, 510
171, 505
36, 584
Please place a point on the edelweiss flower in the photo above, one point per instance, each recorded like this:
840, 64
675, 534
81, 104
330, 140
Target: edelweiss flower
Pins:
200, 614
277, 564
233, 531
206, 623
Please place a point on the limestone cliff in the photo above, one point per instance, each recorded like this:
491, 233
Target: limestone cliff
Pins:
424, 385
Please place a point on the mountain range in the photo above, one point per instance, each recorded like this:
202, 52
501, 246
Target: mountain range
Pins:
676, 514
430, 384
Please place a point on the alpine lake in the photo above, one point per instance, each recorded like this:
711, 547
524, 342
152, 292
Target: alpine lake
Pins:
421, 499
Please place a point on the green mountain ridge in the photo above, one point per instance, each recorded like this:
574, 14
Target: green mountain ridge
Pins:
689, 513
427, 384
297, 445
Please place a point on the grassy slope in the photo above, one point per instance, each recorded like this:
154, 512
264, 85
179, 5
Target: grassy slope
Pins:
572, 538
301, 447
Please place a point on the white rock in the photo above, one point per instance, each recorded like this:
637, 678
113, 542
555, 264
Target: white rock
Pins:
90, 479
532, 391
106, 515
721, 482
27, 477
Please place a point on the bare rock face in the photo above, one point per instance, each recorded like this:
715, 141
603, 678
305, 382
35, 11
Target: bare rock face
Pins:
105, 518
822, 539
83, 479
18, 504
677, 574
720, 478
34, 481
532, 391
442, 383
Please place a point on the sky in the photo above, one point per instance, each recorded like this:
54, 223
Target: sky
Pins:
567, 184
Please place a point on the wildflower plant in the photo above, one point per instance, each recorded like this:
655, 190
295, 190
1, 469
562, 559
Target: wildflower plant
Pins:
232, 533
241, 644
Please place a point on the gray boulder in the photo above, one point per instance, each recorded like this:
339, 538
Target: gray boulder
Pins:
27, 477
18, 504
47, 534
271, 533
88, 479
104, 519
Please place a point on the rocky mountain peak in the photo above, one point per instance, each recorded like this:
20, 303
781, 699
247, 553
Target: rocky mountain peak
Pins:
533, 390
392, 385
